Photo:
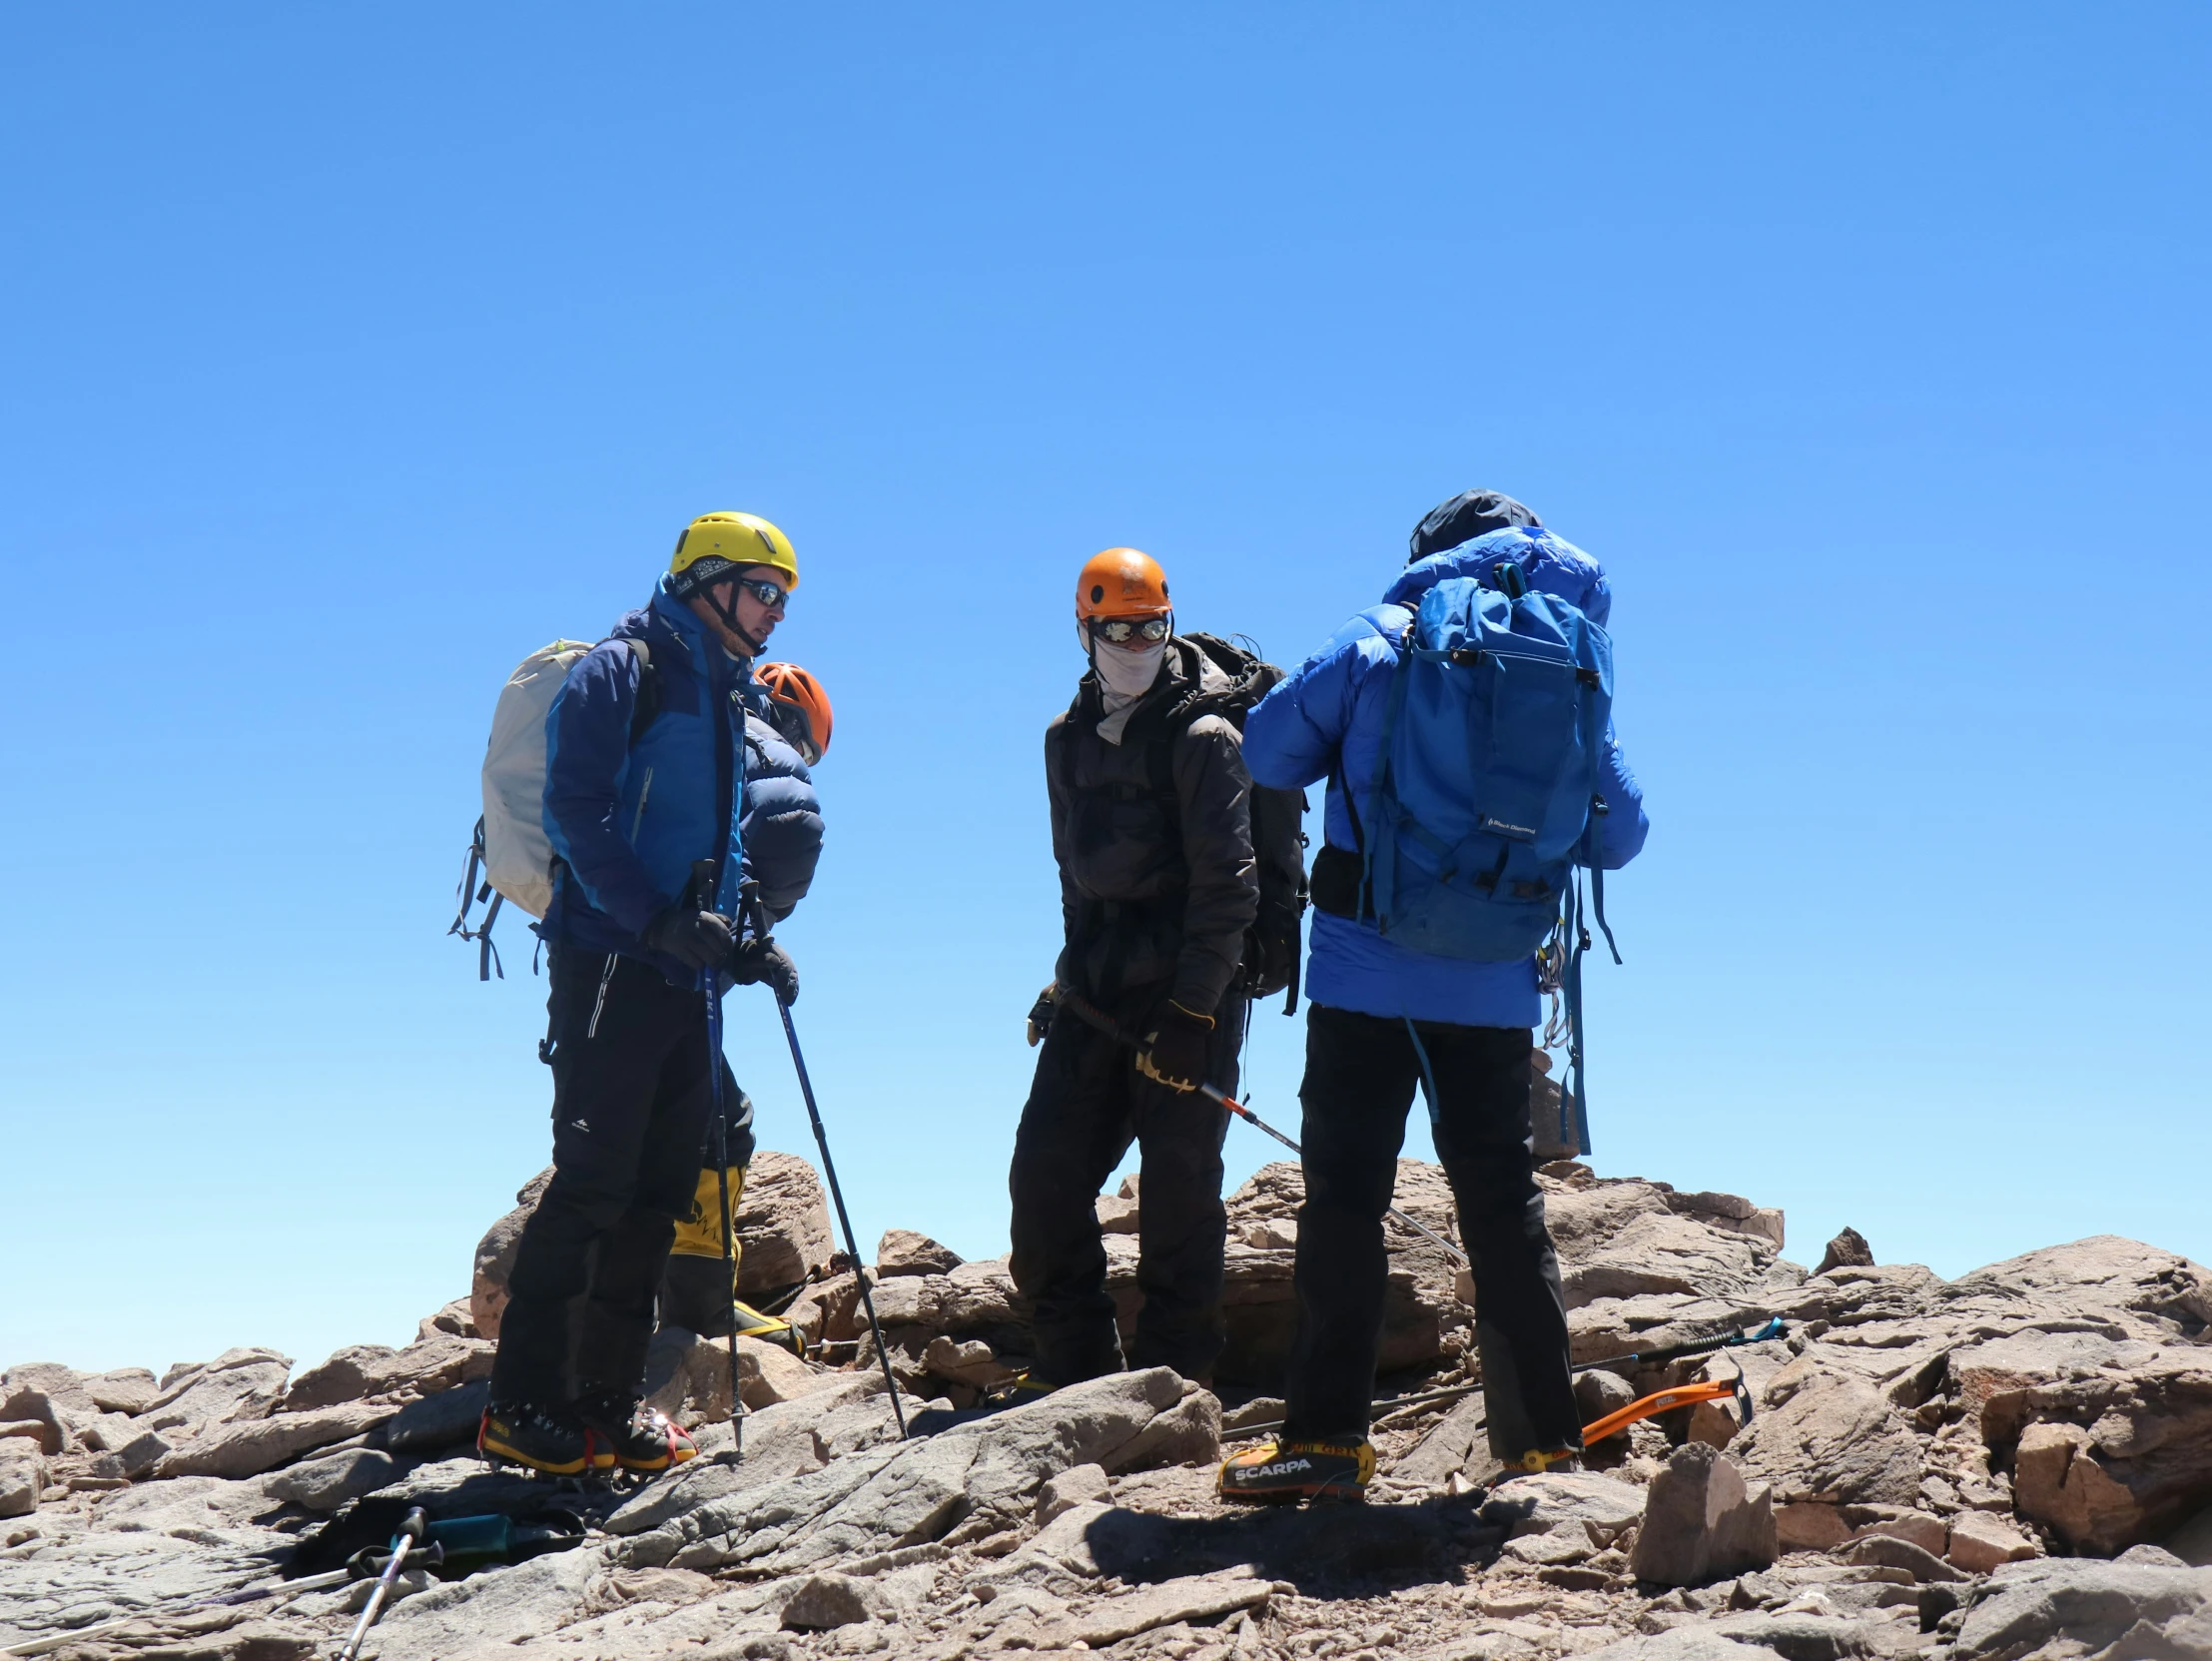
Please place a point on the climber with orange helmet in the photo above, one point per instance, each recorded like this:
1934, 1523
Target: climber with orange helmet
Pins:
1152, 829
787, 731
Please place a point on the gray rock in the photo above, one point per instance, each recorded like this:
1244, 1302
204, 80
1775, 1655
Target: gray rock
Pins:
1189, 1434
142, 1453
437, 1421
1193, 1598
1847, 1250
488, 1614
885, 1499
22, 1476
238, 1385
326, 1484
1826, 1435
1890, 1552
1447, 1447
30, 1405
2157, 1557
902, 1251
488, 1286
240, 1450
783, 1224
1598, 1392
1078, 1485
1684, 1643
423, 1369
822, 1602
1702, 1523
1804, 1637
1538, 1504
2024, 1607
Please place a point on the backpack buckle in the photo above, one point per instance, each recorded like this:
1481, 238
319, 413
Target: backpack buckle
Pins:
1467, 657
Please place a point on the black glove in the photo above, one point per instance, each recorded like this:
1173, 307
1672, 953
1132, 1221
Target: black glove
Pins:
1040, 1014
1175, 1045
694, 938
758, 960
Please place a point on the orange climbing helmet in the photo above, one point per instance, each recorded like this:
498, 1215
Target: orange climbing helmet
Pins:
1121, 582
800, 707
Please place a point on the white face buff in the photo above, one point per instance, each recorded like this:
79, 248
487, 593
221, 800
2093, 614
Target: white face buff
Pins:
1128, 675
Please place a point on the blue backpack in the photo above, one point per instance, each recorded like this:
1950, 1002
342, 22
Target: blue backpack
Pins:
1486, 785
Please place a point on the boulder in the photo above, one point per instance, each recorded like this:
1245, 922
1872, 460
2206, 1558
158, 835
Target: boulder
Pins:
1701, 1522
1978, 1542
443, 1420
1847, 1250
902, 1251
424, 1367
327, 1483
883, 1498
1831, 1437
23, 1475
238, 1385
2088, 1606
822, 1602
241, 1451
1538, 1504
487, 1286
2115, 1457
783, 1225
1078, 1485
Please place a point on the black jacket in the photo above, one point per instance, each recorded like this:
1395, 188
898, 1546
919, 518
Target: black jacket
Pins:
1154, 838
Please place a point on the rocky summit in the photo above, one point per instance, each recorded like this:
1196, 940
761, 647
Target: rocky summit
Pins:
2014, 1464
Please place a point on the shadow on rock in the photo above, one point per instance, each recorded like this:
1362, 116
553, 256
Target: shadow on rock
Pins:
1321, 1549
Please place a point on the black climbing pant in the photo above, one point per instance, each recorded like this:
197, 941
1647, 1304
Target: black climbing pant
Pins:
1087, 1105
631, 1116
1361, 1072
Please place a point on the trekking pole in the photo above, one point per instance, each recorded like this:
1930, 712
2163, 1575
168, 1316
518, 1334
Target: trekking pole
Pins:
1092, 1014
829, 1171
836, 1194
702, 878
411, 1530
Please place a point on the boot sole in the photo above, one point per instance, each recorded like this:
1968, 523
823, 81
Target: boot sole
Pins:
1335, 1492
491, 1447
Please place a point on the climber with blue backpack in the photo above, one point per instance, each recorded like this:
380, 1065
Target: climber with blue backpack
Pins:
643, 879
1464, 729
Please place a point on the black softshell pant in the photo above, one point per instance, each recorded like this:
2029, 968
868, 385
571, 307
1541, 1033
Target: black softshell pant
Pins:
1087, 1104
1361, 1072
631, 1109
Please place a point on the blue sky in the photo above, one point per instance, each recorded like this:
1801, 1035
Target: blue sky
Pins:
349, 357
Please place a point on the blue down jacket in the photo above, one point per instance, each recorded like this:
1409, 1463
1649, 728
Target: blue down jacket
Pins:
1325, 722
628, 820
781, 818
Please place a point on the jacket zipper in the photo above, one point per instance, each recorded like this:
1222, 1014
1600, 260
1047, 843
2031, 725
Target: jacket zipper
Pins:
638, 821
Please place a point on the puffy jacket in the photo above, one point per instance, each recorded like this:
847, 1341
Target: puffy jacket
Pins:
629, 819
1325, 722
1157, 883
781, 820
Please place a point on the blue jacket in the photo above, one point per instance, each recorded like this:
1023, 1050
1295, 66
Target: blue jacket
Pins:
1325, 722
781, 818
628, 820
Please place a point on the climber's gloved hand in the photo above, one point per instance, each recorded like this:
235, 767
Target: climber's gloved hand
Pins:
757, 960
1175, 1045
694, 938
1040, 1014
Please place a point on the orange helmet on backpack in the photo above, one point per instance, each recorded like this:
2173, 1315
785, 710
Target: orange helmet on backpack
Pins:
799, 706
1121, 582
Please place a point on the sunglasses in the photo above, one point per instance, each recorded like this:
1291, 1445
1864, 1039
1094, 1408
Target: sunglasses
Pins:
1120, 631
768, 593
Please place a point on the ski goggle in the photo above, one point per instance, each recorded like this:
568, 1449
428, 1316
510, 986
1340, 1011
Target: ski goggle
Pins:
1121, 631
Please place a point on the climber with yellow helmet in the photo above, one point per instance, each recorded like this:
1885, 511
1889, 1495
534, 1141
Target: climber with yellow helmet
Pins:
645, 766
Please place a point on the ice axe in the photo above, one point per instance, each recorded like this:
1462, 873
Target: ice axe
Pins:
1090, 1015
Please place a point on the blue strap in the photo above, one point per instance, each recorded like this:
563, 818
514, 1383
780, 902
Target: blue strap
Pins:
1381, 784
1428, 1074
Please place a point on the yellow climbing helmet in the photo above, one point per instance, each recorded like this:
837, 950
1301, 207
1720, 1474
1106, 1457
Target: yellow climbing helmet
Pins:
715, 545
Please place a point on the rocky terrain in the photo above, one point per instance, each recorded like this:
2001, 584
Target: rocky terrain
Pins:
2014, 1464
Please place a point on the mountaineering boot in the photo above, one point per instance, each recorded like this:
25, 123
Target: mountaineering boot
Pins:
1280, 1471
534, 1435
630, 1435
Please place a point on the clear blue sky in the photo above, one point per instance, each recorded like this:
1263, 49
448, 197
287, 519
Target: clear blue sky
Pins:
350, 355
